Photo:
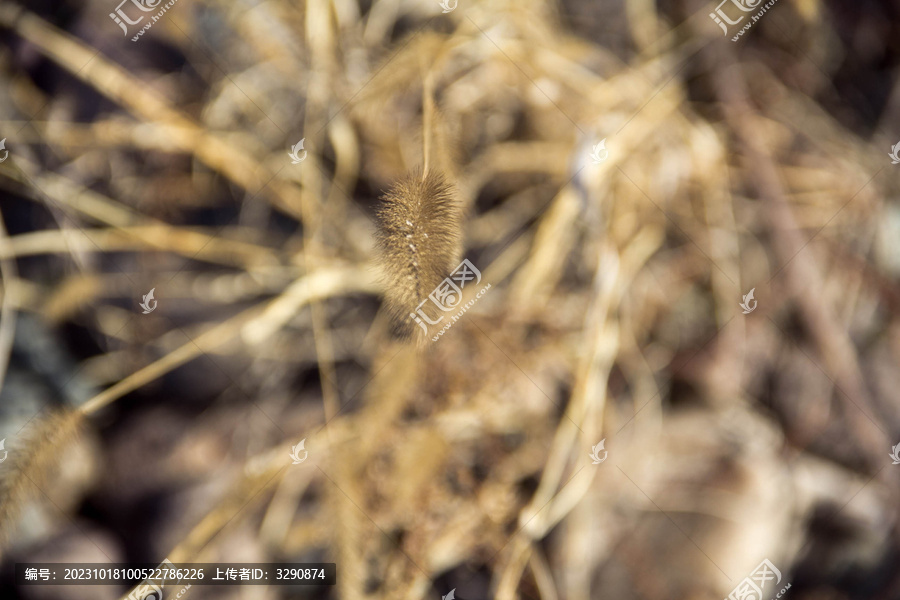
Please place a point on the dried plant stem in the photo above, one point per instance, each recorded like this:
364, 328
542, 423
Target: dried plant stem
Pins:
7, 312
225, 155
550, 504
244, 491
276, 523
543, 575
268, 318
802, 276
260, 472
427, 121
320, 284
192, 244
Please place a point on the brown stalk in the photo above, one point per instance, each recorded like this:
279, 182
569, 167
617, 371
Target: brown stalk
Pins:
801, 274
419, 233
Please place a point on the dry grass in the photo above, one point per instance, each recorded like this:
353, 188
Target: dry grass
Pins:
612, 313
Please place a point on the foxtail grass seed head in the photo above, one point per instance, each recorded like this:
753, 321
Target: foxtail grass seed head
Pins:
419, 223
33, 462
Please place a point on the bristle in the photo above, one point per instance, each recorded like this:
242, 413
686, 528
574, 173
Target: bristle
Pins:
32, 462
419, 237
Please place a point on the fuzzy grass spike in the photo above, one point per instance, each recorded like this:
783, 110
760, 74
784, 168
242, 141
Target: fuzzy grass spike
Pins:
419, 228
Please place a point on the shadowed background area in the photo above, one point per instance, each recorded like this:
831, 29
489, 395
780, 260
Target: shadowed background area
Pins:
627, 174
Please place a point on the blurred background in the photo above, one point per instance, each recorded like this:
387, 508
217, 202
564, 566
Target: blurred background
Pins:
686, 362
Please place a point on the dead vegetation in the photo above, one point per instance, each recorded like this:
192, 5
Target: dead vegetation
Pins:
613, 310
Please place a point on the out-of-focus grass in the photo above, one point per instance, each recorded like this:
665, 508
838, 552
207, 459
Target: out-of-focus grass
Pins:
613, 311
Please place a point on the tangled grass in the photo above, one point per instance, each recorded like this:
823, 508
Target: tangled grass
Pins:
613, 312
